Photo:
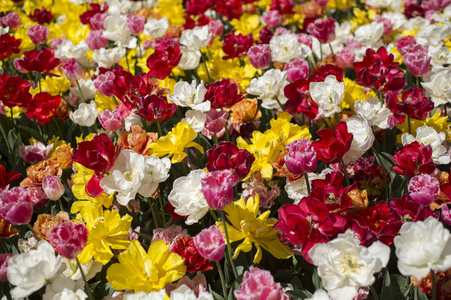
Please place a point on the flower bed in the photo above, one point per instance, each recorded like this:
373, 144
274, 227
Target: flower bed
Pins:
225, 149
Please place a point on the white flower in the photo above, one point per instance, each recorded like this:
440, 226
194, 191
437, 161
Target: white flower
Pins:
438, 86
105, 58
363, 137
156, 170
196, 38
369, 34
422, 246
190, 95
439, 56
268, 85
87, 88
156, 28
433, 34
85, 115
374, 111
30, 271
90, 269
190, 59
116, 30
132, 119
319, 295
187, 198
119, 7
327, 94
67, 50
378, 3
429, 137
183, 292
396, 18
297, 190
286, 46
271, 103
344, 265
63, 288
160, 295
196, 120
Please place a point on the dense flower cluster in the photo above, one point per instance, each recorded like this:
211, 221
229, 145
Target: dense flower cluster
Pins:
245, 149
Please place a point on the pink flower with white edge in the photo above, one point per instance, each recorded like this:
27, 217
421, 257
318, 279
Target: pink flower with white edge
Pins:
72, 69
35, 153
272, 18
135, 23
217, 188
424, 188
216, 28
52, 187
215, 123
11, 20
38, 34
95, 40
104, 83
210, 243
110, 120
69, 239
297, 69
4, 257
258, 284
345, 58
259, 56
16, 207
301, 157
37, 196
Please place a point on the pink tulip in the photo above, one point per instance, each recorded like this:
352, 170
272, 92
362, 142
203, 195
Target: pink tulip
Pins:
210, 243
69, 239
38, 34
16, 207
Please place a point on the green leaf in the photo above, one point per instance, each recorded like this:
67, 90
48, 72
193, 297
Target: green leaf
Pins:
299, 294
316, 280
33, 132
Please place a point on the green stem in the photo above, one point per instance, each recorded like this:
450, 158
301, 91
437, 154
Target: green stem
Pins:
229, 248
126, 59
306, 182
161, 207
60, 204
434, 286
331, 50
212, 213
160, 133
39, 82
408, 124
374, 293
345, 171
280, 104
5, 137
215, 138
32, 231
206, 67
154, 214
81, 93
87, 288
221, 275
321, 50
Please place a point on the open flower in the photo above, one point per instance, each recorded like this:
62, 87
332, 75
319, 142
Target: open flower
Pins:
141, 271
344, 265
254, 229
422, 247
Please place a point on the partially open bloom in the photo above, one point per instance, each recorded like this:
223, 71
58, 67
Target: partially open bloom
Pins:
413, 159
85, 115
254, 229
363, 137
259, 56
223, 93
344, 265
72, 69
16, 206
218, 189
258, 284
52, 186
334, 143
69, 239
424, 188
285, 47
14, 91
42, 62
110, 120
8, 45
323, 30
422, 247
236, 45
141, 271
155, 108
328, 94
194, 261
11, 20
190, 95
163, 60
210, 243
301, 157
43, 107
297, 69
38, 34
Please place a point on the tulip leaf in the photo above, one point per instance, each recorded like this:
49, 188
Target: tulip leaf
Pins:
393, 286
316, 280
299, 294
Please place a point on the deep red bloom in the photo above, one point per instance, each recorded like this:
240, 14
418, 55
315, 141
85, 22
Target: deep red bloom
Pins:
226, 156
155, 108
326, 70
85, 18
163, 60
265, 35
379, 70
14, 91
184, 246
6, 178
372, 224
334, 143
41, 16
406, 209
299, 100
413, 104
282, 6
228, 8
195, 7
413, 9
41, 62
323, 30
43, 107
414, 158
236, 45
308, 224
99, 155
8, 45
223, 93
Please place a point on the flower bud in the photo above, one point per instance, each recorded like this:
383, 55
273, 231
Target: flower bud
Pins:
259, 56
210, 243
52, 187
72, 69
38, 34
